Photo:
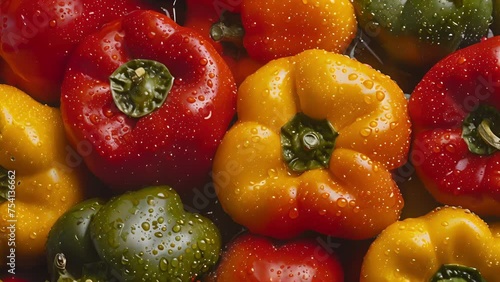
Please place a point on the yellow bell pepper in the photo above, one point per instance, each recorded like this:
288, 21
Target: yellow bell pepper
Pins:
446, 243
316, 137
40, 177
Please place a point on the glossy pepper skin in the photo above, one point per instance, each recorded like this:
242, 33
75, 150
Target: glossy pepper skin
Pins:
254, 258
201, 16
450, 107
70, 252
37, 38
419, 33
143, 235
282, 28
416, 248
173, 144
39, 180
352, 194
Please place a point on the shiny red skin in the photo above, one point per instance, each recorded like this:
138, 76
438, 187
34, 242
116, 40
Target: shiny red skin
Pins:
453, 88
37, 37
255, 258
173, 145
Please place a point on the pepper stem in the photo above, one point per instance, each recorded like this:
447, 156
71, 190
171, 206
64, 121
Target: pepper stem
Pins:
457, 273
480, 130
228, 29
307, 143
140, 87
488, 135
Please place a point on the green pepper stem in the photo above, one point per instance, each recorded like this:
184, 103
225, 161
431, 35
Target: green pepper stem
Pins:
480, 130
457, 273
228, 29
140, 87
307, 143
488, 135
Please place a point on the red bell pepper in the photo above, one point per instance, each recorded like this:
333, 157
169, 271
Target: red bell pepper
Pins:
251, 257
456, 119
156, 120
38, 36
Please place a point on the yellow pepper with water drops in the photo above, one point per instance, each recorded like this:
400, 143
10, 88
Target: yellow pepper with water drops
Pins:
40, 177
447, 244
316, 139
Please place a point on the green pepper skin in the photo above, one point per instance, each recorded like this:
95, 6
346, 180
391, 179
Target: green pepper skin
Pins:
495, 25
418, 33
70, 236
146, 235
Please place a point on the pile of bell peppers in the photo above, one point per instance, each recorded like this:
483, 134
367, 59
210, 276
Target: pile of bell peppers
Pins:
235, 140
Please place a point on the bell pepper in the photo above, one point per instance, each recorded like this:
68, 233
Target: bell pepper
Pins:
447, 244
201, 16
151, 99
254, 258
316, 137
456, 122
40, 176
495, 24
417, 34
282, 28
37, 38
143, 235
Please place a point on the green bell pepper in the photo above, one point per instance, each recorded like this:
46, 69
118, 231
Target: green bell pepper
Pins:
143, 235
418, 33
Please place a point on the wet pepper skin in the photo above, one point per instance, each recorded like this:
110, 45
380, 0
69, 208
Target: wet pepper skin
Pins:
173, 145
38, 177
143, 235
37, 38
355, 195
455, 171
283, 28
254, 258
414, 249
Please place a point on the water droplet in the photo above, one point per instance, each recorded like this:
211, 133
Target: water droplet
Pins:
461, 60
342, 202
293, 213
176, 228
444, 223
94, 119
175, 262
368, 84
393, 125
203, 62
33, 235
380, 95
145, 226
191, 100
163, 264
365, 132
450, 148
352, 76
53, 23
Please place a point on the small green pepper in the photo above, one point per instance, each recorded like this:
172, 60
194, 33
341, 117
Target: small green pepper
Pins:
418, 33
143, 235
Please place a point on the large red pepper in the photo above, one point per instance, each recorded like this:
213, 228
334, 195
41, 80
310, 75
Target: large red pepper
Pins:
114, 111
456, 119
38, 36
255, 258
